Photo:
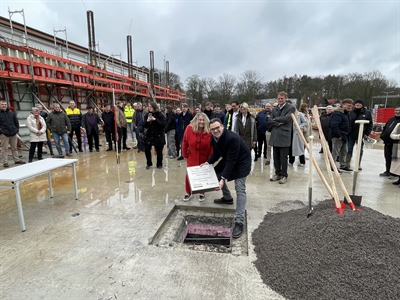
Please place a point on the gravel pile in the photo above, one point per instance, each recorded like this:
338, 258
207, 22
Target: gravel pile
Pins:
329, 256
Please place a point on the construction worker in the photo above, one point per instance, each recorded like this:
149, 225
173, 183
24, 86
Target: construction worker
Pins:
75, 117
129, 113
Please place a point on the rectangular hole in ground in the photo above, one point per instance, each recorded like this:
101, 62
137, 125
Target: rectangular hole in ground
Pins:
207, 234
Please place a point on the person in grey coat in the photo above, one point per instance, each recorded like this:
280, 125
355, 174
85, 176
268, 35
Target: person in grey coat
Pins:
297, 148
281, 136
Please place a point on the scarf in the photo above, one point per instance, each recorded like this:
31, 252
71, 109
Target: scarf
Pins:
38, 124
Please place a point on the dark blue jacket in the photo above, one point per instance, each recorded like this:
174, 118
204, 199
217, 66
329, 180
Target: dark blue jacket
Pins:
9, 125
262, 121
236, 157
139, 117
221, 116
340, 124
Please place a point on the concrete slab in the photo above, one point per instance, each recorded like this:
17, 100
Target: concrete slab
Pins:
104, 253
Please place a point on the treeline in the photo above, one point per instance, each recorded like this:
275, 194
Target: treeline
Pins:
250, 87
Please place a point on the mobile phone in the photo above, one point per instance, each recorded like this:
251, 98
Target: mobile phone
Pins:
150, 114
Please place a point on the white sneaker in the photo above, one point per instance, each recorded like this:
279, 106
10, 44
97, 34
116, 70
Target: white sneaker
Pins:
202, 197
301, 165
187, 197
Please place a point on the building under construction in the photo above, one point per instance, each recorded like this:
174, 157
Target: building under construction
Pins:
36, 67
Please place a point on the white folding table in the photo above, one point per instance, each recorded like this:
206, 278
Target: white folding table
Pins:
23, 172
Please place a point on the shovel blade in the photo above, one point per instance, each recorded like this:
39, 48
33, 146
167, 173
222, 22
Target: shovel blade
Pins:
355, 199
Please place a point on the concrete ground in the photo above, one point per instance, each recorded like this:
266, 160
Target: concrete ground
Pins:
104, 253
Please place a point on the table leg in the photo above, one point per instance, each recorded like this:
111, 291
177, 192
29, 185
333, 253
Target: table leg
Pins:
50, 184
75, 183
19, 205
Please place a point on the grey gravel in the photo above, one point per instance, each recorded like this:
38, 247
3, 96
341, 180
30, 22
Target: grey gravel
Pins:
355, 255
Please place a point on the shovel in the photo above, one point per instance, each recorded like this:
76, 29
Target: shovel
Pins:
357, 199
310, 177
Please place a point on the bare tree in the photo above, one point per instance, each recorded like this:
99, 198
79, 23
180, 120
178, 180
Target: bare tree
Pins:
195, 88
226, 87
249, 87
211, 89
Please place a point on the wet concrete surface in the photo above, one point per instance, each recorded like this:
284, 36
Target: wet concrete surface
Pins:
104, 252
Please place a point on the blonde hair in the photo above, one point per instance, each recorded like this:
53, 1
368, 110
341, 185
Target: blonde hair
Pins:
244, 105
195, 122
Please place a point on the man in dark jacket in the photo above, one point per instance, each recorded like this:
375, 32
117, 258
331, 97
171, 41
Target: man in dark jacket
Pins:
9, 127
209, 111
385, 136
358, 113
109, 126
262, 126
325, 120
234, 165
218, 113
281, 136
184, 119
339, 131
59, 125
75, 117
90, 122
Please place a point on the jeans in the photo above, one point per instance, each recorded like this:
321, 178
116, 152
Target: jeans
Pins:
350, 145
241, 197
171, 143
339, 148
64, 137
130, 126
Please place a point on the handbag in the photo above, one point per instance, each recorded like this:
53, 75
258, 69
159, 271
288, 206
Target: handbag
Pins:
143, 135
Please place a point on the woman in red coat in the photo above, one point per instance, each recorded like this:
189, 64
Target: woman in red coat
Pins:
196, 147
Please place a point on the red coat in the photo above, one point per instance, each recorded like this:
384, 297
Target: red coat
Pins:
196, 147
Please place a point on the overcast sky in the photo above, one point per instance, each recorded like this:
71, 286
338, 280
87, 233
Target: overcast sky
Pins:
209, 38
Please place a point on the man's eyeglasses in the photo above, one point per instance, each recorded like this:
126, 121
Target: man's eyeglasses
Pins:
215, 128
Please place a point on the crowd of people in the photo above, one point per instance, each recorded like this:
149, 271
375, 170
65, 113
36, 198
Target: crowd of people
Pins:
206, 136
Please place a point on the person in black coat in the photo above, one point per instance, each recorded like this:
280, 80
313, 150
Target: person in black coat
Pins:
234, 165
358, 113
339, 130
184, 119
9, 127
154, 122
389, 143
109, 126
90, 123
325, 119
